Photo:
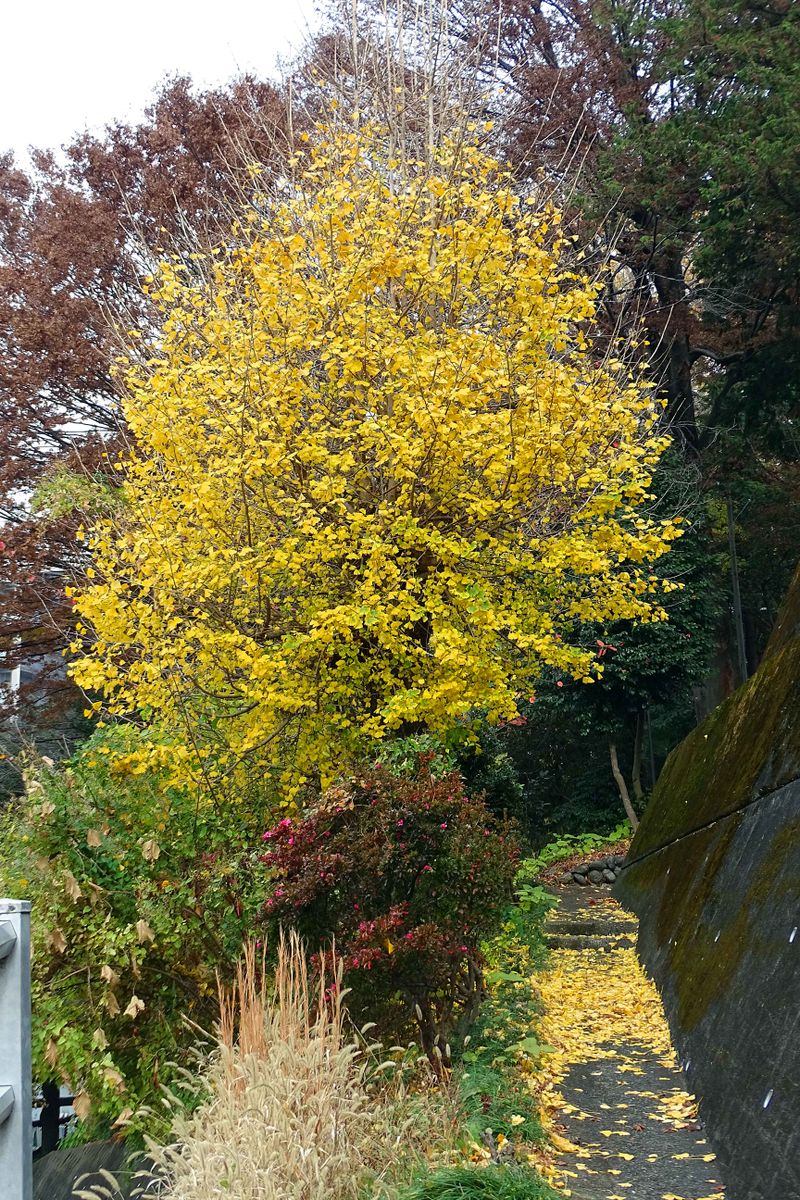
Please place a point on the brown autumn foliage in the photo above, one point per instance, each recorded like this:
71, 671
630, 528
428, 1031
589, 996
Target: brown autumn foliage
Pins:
576, 75
71, 228
601, 95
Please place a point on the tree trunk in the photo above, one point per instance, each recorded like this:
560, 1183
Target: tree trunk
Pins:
674, 355
623, 787
638, 741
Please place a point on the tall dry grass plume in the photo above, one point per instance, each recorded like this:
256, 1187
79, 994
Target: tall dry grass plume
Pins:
296, 1109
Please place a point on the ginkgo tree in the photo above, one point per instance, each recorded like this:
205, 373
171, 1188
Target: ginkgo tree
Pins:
383, 464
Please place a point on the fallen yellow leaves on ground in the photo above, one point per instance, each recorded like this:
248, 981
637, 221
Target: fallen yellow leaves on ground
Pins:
599, 1005
583, 1021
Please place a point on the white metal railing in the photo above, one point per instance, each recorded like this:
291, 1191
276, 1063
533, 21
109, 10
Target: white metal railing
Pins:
15, 1050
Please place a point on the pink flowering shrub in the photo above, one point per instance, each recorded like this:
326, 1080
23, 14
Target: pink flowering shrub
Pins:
406, 877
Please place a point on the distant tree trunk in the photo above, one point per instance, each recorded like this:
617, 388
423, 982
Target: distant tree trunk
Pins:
638, 742
623, 787
669, 333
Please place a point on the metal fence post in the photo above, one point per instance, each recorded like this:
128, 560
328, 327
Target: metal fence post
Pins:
16, 1158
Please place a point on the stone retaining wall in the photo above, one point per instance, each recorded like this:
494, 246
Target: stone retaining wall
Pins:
714, 877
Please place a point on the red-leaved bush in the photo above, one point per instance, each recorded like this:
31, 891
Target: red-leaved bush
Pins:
406, 877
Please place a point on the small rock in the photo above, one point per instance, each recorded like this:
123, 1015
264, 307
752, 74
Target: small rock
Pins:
609, 875
581, 879
595, 876
567, 877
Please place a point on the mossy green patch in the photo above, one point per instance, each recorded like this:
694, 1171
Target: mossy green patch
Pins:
748, 747
705, 939
787, 626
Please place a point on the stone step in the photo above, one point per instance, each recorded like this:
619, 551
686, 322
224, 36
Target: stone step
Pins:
588, 925
574, 941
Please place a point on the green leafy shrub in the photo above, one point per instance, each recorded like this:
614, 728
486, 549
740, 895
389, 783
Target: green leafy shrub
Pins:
401, 755
565, 846
407, 876
141, 894
491, 1183
490, 772
479, 752
503, 1048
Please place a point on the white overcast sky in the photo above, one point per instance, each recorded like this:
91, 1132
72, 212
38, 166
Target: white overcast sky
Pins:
66, 65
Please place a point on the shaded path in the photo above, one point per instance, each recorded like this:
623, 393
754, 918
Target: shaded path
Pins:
612, 1093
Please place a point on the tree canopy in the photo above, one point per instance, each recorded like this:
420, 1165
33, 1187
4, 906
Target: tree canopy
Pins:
380, 470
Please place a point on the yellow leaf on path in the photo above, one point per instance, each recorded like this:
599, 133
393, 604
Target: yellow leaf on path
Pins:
587, 1026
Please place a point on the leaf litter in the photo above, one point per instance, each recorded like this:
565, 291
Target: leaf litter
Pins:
621, 1124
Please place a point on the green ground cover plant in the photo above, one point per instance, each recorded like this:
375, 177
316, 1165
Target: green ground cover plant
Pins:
503, 1048
491, 1183
566, 845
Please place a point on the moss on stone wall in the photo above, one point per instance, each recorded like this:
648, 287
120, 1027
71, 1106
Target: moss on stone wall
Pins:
714, 876
787, 626
746, 748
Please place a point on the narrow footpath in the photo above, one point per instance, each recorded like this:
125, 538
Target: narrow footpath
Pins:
612, 1094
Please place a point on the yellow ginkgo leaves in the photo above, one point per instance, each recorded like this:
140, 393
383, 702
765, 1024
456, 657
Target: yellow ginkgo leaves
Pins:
383, 466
